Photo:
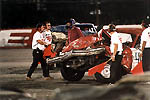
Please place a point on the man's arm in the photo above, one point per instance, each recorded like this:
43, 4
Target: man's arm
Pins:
142, 48
41, 42
143, 45
115, 51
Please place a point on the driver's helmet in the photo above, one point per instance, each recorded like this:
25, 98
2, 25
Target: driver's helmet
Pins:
72, 21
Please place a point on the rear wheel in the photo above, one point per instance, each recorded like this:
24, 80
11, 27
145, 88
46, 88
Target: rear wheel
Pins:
71, 74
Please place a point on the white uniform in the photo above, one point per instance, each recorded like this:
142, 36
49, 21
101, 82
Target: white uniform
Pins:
38, 55
115, 39
48, 36
146, 37
35, 44
146, 52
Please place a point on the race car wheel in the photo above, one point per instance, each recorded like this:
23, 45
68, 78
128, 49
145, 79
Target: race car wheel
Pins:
71, 74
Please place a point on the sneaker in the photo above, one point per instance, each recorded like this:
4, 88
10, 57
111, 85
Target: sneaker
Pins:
48, 78
28, 78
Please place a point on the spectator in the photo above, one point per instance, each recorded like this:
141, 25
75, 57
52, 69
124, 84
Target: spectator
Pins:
145, 46
38, 45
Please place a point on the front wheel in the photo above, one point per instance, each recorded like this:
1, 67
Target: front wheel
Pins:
71, 74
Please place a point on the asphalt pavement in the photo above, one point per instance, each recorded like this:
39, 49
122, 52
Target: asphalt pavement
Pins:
15, 63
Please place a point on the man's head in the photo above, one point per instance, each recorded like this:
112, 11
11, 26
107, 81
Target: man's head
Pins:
40, 27
70, 23
111, 28
47, 25
145, 23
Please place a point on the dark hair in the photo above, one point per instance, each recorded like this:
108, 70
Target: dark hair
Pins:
145, 23
46, 22
112, 27
69, 21
39, 25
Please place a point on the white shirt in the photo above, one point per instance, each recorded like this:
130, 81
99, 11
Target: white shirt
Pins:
35, 44
146, 37
48, 36
115, 39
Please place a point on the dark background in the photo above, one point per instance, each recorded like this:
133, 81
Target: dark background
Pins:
27, 13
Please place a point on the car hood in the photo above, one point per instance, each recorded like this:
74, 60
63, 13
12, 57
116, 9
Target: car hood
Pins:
81, 43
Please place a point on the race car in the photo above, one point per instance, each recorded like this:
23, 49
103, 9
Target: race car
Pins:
89, 51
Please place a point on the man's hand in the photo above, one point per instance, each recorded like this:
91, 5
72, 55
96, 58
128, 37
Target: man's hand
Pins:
113, 58
141, 54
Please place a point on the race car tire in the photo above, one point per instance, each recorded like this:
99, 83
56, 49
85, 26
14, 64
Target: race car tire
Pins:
71, 74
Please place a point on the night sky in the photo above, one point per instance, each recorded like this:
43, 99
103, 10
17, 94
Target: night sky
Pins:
27, 13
